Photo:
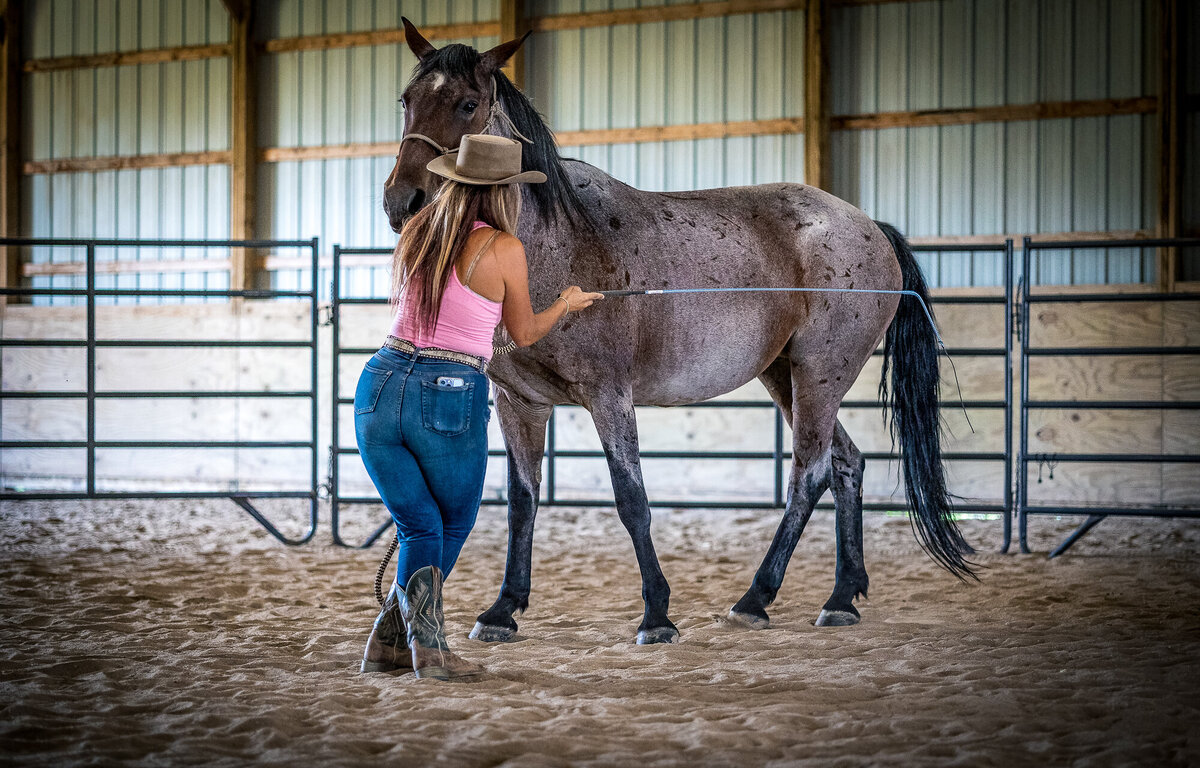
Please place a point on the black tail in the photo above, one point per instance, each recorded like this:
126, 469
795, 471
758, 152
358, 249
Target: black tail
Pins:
911, 350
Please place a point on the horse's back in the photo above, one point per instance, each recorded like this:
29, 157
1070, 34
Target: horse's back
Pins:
681, 348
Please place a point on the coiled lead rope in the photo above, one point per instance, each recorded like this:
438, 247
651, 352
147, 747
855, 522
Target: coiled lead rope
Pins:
383, 564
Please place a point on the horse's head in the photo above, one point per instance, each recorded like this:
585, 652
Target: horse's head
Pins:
449, 95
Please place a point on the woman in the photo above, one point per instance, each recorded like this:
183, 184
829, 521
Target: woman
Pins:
421, 406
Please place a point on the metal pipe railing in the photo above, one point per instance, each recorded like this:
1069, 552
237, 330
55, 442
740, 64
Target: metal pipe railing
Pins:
90, 444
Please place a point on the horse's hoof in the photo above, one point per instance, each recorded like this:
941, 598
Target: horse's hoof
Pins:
748, 620
658, 635
490, 634
837, 618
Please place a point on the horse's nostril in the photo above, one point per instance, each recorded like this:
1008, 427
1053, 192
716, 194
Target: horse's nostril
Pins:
416, 201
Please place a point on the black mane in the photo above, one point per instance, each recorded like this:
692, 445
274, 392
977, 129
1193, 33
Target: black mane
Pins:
557, 195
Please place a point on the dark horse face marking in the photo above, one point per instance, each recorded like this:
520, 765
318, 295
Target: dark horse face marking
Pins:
448, 96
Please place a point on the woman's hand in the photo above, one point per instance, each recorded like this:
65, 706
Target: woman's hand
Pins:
576, 299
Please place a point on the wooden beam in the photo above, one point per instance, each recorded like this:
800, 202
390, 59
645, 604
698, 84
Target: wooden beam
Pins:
773, 127
125, 58
816, 95
327, 152
379, 37
873, 2
246, 263
1041, 237
680, 132
125, 162
10, 142
512, 26
655, 13
237, 9
564, 138
131, 266
128, 266
1168, 122
1005, 113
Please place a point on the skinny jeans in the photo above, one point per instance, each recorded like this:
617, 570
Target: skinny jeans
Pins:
421, 426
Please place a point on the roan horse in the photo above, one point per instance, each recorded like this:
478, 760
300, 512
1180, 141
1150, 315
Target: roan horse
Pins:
584, 227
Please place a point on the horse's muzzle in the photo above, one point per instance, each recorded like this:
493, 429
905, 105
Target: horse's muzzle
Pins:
400, 203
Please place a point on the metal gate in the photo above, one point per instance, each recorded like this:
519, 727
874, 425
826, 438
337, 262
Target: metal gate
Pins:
1030, 351
91, 442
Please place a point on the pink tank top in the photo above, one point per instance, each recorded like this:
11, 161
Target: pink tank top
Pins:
466, 320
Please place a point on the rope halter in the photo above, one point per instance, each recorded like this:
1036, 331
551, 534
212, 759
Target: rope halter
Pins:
496, 114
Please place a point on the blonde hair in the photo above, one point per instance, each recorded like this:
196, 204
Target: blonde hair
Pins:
432, 241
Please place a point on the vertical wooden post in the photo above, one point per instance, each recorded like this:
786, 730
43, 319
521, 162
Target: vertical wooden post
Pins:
10, 143
247, 264
816, 94
512, 26
1170, 162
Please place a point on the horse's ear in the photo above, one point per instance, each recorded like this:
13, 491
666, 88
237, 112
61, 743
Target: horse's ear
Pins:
496, 57
417, 44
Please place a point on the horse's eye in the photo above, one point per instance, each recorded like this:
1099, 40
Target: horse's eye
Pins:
470, 106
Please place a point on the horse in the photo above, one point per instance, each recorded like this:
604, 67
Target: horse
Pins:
586, 228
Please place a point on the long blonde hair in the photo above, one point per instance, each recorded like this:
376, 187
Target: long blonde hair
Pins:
432, 241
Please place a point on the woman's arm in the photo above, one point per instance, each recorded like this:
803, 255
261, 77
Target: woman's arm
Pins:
523, 324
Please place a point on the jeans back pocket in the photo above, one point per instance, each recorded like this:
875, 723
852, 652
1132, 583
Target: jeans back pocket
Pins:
370, 384
446, 409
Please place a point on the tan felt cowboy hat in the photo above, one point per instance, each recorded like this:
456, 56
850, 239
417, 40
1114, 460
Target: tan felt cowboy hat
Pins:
485, 159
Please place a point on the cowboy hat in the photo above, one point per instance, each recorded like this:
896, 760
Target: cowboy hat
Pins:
485, 159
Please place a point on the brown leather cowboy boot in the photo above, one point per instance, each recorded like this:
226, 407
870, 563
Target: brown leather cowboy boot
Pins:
387, 647
421, 607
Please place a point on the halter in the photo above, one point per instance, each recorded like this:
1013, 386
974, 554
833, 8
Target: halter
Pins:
495, 113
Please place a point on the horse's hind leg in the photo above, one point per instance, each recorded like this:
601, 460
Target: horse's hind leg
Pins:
846, 480
813, 423
525, 438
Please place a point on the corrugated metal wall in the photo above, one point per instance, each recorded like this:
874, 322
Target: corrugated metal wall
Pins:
340, 96
128, 110
1045, 176
744, 67
1083, 174
1190, 138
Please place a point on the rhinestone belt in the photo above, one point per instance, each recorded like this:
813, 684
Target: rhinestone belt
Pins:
435, 353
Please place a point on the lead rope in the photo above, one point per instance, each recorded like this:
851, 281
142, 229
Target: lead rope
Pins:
383, 567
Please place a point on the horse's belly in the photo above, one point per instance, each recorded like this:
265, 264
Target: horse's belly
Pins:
678, 388
701, 347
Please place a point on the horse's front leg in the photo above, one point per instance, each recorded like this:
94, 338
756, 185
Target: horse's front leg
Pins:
524, 429
617, 427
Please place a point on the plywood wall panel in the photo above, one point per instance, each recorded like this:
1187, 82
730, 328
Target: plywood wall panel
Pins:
1099, 484
1181, 485
1096, 324
1094, 431
1098, 378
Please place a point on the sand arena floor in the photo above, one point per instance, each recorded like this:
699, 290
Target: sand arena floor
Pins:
178, 633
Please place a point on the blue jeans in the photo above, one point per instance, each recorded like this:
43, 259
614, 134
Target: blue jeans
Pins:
421, 426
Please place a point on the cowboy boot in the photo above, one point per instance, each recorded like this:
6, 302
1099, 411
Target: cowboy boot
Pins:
421, 608
387, 647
